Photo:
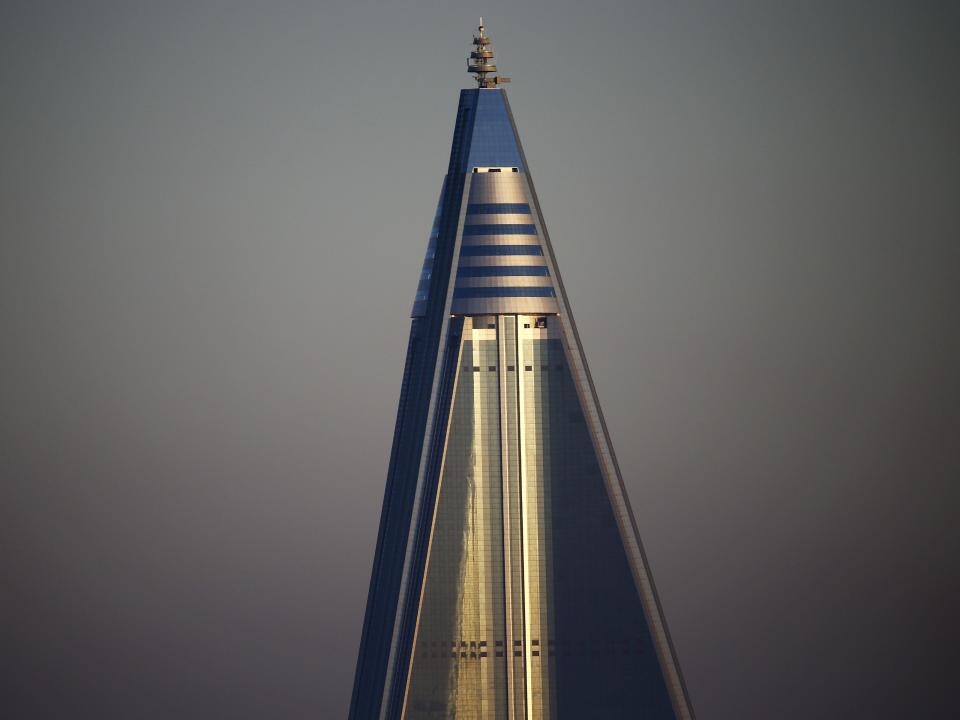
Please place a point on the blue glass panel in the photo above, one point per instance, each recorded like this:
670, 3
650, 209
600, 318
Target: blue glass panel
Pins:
499, 230
423, 286
504, 271
491, 292
604, 663
473, 250
495, 208
493, 143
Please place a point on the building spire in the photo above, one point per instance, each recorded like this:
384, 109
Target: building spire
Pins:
481, 60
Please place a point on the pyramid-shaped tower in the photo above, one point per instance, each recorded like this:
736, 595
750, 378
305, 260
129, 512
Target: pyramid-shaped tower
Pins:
509, 579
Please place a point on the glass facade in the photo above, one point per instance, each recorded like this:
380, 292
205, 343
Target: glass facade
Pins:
498, 209
509, 581
528, 596
423, 286
596, 656
493, 143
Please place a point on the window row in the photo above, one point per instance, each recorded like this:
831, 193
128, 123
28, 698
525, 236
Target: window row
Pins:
498, 209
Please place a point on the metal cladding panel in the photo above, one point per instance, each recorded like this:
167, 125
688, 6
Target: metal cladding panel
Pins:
501, 306
498, 189
503, 262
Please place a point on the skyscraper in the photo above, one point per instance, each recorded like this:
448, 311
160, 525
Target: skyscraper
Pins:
509, 580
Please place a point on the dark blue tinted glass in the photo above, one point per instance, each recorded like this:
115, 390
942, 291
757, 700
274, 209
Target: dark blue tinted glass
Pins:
493, 143
504, 271
499, 230
489, 292
494, 208
469, 250
604, 661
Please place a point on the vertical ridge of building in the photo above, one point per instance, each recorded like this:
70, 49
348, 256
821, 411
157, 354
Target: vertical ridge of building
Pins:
509, 580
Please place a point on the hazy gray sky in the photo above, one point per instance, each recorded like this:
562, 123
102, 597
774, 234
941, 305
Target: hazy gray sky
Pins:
212, 217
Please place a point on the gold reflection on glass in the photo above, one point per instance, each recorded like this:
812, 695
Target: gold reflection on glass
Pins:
499, 633
459, 667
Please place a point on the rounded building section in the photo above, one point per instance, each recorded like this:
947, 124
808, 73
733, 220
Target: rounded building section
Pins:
501, 268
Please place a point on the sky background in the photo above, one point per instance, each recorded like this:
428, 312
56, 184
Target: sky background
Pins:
212, 219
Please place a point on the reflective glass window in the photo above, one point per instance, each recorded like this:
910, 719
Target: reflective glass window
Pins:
498, 208
499, 230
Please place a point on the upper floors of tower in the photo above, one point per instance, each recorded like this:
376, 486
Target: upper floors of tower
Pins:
500, 263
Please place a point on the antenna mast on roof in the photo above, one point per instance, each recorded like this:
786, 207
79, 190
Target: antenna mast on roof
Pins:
481, 60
